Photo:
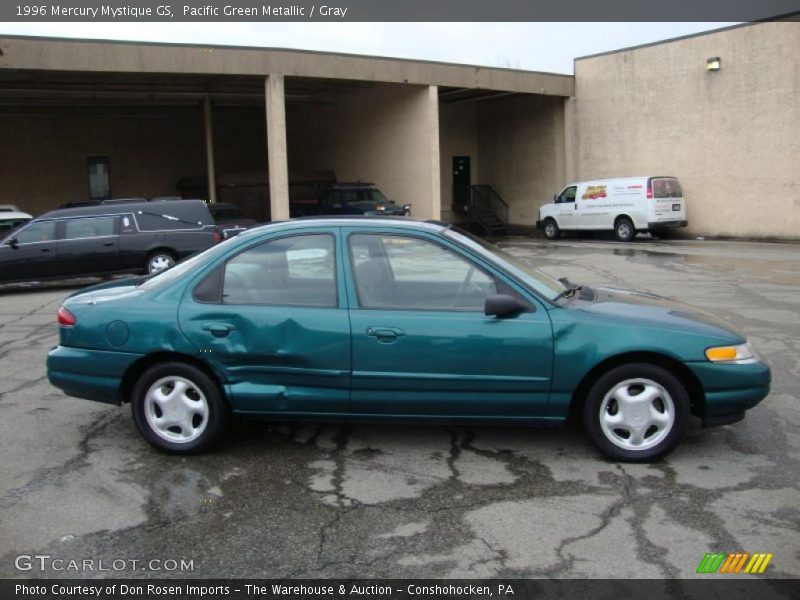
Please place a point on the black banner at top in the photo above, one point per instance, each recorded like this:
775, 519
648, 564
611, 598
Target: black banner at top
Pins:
396, 10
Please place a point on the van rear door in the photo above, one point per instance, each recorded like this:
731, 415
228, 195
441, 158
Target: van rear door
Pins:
665, 200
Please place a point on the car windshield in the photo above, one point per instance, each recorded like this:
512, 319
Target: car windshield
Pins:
167, 276
534, 278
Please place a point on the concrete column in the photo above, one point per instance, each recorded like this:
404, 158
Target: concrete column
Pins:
434, 208
570, 142
277, 161
208, 127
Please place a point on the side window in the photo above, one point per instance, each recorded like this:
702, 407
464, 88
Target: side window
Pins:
409, 273
292, 271
44, 231
568, 195
87, 228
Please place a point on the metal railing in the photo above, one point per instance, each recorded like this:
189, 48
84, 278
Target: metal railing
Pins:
487, 208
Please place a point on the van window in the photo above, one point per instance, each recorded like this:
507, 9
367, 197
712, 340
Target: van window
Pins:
568, 195
43, 231
666, 187
88, 228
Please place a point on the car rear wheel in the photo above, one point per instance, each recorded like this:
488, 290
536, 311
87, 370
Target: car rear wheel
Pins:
624, 230
158, 261
178, 408
637, 412
551, 230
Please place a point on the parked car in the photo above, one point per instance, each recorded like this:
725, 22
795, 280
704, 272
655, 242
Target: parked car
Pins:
106, 239
229, 219
12, 217
624, 206
350, 199
391, 319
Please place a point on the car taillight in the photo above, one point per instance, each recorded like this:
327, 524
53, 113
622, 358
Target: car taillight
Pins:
217, 236
649, 193
65, 317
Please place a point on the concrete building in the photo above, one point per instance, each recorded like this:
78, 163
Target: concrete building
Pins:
731, 135
81, 119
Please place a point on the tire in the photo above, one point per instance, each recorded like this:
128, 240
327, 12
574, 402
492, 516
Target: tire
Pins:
654, 424
197, 415
159, 260
551, 230
623, 229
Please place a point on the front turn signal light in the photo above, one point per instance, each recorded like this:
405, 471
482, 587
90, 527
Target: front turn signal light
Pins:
741, 354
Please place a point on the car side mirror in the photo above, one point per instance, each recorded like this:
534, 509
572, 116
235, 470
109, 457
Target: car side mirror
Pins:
555, 198
13, 243
503, 305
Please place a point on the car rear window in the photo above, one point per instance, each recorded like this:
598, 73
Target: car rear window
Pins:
666, 187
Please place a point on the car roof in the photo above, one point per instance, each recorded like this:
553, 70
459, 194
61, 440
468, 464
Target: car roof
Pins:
356, 185
117, 208
357, 221
7, 215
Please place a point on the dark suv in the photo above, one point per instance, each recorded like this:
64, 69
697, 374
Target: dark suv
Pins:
351, 199
138, 237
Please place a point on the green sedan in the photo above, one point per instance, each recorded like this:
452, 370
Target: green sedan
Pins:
380, 319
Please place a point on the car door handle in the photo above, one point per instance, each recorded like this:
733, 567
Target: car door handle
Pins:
109, 244
218, 329
385, 334
45, 249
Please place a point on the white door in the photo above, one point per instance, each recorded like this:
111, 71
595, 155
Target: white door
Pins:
566, 208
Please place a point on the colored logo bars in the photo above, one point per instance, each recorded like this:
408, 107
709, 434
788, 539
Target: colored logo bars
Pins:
720, 562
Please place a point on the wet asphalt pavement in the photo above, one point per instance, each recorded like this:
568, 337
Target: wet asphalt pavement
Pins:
331, 500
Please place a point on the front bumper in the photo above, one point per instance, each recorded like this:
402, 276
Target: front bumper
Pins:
666, 224
539, 224
89, 374
730, 389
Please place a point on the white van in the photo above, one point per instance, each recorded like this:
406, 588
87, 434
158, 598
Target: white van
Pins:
624, 206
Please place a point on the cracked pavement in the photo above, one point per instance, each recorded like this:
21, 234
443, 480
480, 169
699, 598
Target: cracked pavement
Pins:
342, 500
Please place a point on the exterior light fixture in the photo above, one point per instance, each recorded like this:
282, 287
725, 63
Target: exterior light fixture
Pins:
713, 64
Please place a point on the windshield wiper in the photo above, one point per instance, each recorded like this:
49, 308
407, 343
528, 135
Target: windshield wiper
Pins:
570, 290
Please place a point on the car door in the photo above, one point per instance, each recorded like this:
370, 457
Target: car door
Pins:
567, 215
422, 345
88, 245
30, 253
273, 321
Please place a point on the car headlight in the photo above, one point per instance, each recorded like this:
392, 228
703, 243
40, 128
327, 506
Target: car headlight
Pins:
741, 355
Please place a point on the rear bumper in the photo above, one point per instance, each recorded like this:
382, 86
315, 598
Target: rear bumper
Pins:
666, 224
89, 374
730, 390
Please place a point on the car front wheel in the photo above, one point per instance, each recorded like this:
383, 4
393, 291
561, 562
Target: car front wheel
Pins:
551, 230
637, 412
178, 408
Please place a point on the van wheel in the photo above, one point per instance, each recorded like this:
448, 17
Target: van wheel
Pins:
624, 230
636, 412
158, 261
551, 230
178, 408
